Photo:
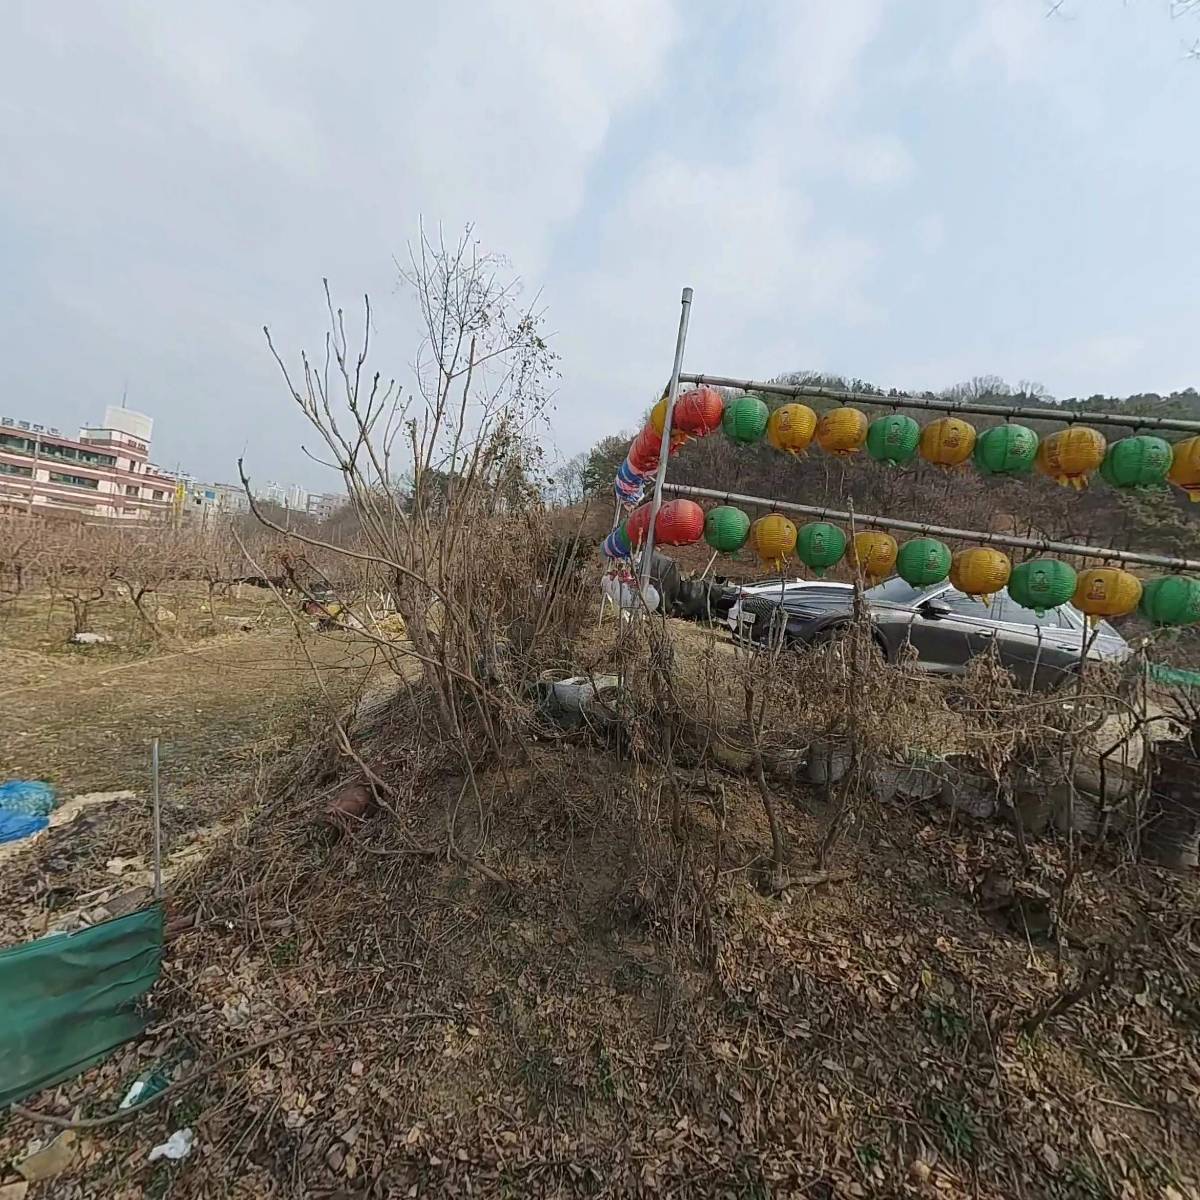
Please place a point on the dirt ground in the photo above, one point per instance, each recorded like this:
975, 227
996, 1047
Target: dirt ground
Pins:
83, 718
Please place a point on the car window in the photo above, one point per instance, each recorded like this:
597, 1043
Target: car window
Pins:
964, 605
1005, 608
896, 591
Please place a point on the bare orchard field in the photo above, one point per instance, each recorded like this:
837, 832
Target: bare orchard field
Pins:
223, 691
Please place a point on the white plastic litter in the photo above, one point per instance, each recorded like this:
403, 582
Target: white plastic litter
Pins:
134, 1094
177, 1146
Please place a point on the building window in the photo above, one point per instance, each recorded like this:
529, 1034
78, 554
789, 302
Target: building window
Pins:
74, 480
20, 444
8, 469
131, 489
160, 495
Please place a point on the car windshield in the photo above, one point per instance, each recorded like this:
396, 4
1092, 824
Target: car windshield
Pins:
896, 591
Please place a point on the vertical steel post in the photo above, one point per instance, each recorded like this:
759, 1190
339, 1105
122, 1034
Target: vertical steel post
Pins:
157, 822
664, 450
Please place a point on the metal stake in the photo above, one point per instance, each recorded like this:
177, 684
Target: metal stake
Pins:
157, 823
664, 450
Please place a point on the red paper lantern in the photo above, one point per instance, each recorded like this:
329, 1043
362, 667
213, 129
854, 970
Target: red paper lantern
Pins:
637, 524
679, 523
698, 412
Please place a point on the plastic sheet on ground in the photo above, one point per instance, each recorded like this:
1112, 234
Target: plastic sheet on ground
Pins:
69, 1000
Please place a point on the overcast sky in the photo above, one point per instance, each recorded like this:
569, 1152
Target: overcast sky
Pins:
908, 192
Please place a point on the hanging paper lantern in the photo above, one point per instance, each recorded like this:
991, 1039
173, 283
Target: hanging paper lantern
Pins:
791, 427
1071, 455
947, 442
873, 552
893, 438
1141, 461
980, 571
923, 562
616, 545
774, 538
1171, 600
644, 451
1006, 450
819, 545
1107, 592
679, 523
745, 419
1185, 466
699, 411
637, 525
842, 430
726, 528
1042, 584
658, 416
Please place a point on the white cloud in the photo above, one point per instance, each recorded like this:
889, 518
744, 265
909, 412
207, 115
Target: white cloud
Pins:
877, 160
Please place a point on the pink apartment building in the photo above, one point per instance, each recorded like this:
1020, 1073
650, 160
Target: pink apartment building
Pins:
105, 472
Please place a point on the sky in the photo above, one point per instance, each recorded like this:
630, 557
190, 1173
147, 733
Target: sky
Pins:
907, 192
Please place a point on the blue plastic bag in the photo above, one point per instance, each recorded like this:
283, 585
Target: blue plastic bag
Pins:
30, 797
14, 826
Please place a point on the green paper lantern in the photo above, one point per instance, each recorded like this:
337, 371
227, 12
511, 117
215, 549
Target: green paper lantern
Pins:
745, 419
726, 528
1042, 583
819, 545
923, 561
893, 438
1171, 600
1006, 450
1141, 461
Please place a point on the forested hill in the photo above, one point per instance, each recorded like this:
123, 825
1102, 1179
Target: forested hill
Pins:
1152, 519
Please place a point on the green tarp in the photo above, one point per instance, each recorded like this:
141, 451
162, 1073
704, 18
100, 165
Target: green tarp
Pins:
66, 1001
1174, 676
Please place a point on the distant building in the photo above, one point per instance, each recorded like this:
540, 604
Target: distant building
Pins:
105, 472
323, 506
286, 495
231, 498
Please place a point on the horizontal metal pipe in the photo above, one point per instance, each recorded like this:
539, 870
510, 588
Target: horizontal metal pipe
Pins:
1043, 545
1005, 412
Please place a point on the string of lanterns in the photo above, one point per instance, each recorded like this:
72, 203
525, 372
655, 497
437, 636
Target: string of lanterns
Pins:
1070, 456
980, 571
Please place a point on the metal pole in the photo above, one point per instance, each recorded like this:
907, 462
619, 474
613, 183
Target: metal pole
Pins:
902, 400
157, 822
664, 451
1043, 545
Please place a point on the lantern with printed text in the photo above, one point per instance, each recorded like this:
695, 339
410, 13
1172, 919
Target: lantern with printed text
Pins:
1171, 600
1106, 592
872, 552
980, 571
791, 427
819, 545
923, 561
1071, 455
1042, 584
842, 430
893, 439
679, 523
1185, 466
1006, 450
947, 442
1133, 462
726, 528
745, 419
774, 538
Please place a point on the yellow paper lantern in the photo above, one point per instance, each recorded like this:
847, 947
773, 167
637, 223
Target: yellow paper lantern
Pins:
874, 553
1106, 592
791, 427
980, 571
658, 416
842, 430
1185, 466
1071, 455
947, 442
774, 538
